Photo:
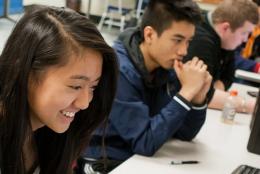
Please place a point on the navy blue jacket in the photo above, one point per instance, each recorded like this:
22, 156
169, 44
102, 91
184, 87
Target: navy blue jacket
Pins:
147, 111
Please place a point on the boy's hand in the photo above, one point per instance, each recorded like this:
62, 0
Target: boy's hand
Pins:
192, 76
202, 94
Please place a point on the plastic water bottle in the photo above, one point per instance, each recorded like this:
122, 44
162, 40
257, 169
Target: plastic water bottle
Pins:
229, 109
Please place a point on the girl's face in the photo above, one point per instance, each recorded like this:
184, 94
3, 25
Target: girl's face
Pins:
63, 91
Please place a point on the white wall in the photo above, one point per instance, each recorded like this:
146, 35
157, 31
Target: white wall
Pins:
207, 6
58, 3
97, 6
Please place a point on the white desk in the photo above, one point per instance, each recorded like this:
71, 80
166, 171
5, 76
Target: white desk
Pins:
219, 147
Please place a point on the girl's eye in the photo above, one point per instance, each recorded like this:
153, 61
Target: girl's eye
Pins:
75, 87
92, 88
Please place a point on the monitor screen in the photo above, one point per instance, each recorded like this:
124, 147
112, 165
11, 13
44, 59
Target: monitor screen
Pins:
254, 139
256, 110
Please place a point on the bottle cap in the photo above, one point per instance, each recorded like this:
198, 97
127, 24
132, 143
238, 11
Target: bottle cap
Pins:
233, 92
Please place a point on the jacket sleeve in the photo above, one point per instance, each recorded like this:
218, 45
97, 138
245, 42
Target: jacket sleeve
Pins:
228, 70
145, 134
191, 123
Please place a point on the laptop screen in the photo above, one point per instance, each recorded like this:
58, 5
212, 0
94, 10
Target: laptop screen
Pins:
254, 139
256, 110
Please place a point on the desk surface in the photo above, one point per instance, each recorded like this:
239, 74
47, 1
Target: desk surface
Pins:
219, 147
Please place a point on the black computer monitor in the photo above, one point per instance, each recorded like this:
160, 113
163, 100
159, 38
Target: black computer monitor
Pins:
254, 139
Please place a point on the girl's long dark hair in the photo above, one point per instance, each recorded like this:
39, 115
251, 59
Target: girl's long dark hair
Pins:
44, 37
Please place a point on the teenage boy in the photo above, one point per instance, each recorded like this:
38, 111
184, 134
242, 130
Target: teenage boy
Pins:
215, 40
158, 97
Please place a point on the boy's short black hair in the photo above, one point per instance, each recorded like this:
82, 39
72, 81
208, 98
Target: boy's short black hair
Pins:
160, 14
257, 2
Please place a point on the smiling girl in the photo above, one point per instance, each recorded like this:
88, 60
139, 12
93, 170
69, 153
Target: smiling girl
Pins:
57, 83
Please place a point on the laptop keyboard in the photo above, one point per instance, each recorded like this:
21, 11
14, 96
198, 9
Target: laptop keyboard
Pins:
245, 169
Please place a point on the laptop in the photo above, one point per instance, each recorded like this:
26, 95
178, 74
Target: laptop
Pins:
246, 75
254, 139
253, 145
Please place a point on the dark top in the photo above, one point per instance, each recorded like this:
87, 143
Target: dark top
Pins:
206, 45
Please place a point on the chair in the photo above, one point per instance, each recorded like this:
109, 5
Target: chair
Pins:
115, 13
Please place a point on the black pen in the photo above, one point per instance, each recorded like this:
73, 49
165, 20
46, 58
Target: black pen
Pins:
184, 162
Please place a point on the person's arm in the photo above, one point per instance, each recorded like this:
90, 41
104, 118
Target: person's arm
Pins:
227, 70
218, 84
220, 96
192, 123
144, 133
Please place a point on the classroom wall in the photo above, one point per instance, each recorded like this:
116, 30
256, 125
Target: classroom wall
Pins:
1, 8
15, 6
207, 6
58, 3
97, 6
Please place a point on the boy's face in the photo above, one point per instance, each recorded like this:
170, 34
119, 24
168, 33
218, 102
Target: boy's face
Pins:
171, 44
232, 39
